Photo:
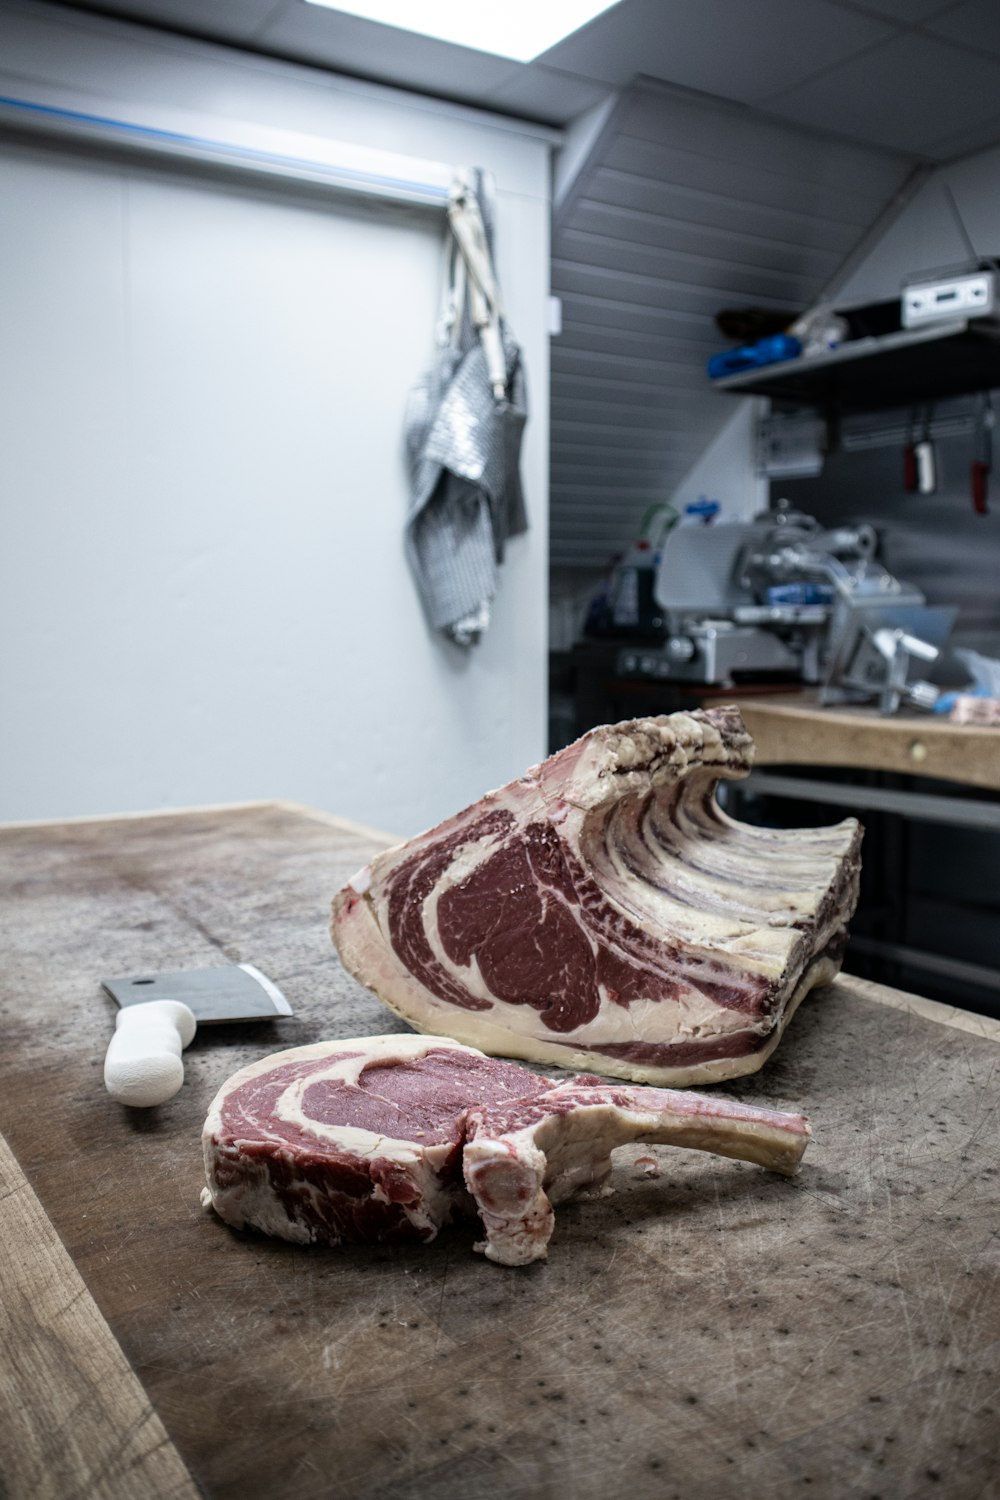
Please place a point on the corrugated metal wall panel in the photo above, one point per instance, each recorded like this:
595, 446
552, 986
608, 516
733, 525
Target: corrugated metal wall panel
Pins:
604, 252
678, 236
686, 205
700, 205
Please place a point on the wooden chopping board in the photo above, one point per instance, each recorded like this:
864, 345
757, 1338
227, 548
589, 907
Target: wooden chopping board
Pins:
716, 1331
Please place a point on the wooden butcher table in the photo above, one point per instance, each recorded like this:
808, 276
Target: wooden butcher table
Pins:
716, 1332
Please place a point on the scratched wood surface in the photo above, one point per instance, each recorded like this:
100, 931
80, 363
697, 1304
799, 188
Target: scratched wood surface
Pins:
74, 1419
711, 1333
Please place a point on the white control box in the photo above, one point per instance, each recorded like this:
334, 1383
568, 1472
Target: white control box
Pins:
973, 295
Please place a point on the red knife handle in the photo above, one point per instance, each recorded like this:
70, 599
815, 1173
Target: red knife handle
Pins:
980, 487
910, 468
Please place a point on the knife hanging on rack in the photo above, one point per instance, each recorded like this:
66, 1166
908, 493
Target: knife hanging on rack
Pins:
910, 457
926, 460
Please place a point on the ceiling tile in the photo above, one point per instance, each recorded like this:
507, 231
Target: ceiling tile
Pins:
368, 50
740, 49
962, 142
905, 11
223, 20
976, 23
546, 94
908, 94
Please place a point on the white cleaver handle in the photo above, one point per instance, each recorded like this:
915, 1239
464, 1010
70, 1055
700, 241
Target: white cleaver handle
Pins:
143, 1065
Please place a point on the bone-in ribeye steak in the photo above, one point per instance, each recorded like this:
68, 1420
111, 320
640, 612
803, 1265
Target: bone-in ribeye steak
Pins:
390, 1137
604, 913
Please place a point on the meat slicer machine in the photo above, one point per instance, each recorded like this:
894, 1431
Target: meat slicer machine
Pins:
782, 597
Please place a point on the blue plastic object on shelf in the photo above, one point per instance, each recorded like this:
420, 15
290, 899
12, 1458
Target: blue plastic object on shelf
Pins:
700, 512
751, 356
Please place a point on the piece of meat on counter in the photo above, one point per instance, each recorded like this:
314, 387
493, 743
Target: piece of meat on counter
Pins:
382, 1138
604, 913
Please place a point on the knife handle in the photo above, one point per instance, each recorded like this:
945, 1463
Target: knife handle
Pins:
143, 1066
980, 488
926, 467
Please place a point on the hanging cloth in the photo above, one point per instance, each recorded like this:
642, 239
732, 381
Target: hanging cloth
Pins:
463, 433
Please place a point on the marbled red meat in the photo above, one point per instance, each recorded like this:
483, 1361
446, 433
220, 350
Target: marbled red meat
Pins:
390, 1137
603, 912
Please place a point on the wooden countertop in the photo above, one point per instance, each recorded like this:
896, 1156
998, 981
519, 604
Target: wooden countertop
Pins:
791, 728
717, 1332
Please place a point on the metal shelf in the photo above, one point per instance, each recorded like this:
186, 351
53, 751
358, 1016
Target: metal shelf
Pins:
909, 368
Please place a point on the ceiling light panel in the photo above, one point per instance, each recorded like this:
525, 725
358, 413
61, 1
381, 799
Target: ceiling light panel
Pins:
518, 29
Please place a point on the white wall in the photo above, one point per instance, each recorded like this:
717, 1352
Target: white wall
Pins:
727, 470
202, 584
926, 235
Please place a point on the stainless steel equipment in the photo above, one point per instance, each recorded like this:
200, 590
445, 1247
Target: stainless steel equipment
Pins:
782, 595
960, 294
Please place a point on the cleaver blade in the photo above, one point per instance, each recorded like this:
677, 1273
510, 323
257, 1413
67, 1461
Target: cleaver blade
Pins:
234, 992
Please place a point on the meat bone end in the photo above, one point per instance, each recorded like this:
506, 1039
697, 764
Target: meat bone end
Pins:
516, 1170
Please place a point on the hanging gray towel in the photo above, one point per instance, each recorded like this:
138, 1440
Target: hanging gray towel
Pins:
463, 431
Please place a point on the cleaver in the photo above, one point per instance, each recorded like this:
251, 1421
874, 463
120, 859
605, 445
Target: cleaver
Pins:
159, 1015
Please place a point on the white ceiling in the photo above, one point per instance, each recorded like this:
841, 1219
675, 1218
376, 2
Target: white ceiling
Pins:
917, 76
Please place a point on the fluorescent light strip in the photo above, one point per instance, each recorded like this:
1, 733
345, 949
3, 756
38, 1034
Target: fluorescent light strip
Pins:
348, 168
518, 29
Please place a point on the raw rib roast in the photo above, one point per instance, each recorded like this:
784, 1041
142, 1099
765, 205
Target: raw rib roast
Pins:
389, 1137
604, 913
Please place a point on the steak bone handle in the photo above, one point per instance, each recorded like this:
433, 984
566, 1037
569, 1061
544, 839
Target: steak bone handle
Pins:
143, 1066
